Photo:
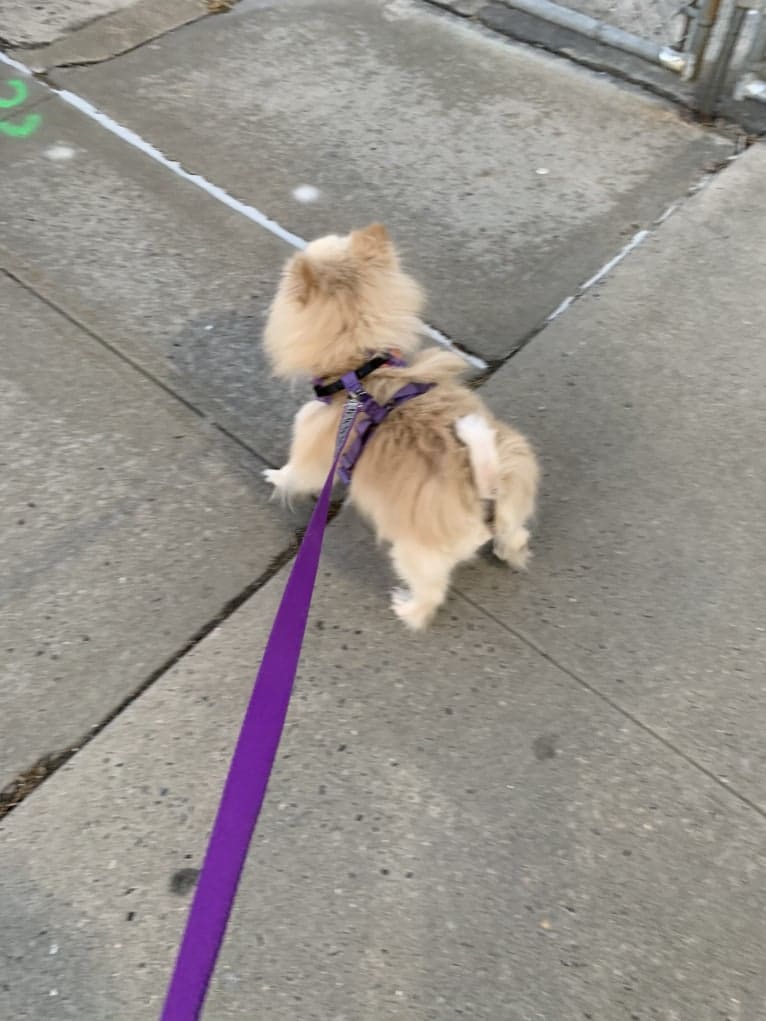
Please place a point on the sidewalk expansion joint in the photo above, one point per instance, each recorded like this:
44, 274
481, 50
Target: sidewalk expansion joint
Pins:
631, 717
17, 790
136, 366
638, 239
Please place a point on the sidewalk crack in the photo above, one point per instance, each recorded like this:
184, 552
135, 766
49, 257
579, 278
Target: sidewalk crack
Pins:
626, 713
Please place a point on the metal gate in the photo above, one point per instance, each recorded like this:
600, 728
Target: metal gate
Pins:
674, 39
714, 50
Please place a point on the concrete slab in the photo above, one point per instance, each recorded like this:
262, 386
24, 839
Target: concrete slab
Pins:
127, 525
171, 277
116, 33
29, 24
647, 403
508, 176
454, 829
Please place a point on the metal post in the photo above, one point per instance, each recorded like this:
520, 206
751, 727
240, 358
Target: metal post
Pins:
703, 19
714, 83
665, 56
750, 85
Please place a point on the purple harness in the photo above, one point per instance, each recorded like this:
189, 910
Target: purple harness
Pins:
373, 412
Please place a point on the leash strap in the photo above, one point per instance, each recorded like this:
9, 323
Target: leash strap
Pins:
250, 767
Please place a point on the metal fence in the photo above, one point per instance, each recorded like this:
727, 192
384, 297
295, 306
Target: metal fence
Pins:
716, 48
673, 38
750, 74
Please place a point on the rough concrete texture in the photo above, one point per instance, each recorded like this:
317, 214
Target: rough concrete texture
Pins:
174, 279
455, 828
551, 807
126, 526
647, 403
116, 33
508, 176
25, 23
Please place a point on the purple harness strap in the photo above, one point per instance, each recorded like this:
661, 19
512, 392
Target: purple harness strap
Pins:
250, 767
374, 414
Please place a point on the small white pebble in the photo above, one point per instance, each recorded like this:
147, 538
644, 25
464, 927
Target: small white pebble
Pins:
53, 992
306, 193
210, 327
542, 171
54, 949
60, 152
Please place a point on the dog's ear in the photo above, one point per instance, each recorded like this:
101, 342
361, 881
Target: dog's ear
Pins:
302, 277
372, 243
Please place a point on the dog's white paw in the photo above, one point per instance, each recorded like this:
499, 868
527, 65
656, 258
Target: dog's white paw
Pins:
277, 477
409, 610
516, 552
517, 559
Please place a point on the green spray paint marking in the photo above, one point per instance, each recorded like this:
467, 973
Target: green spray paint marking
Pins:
20, 90
30, 123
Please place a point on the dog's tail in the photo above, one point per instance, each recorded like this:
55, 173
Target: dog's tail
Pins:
480, 438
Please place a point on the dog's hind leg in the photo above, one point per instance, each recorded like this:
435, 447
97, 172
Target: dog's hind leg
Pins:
426, 573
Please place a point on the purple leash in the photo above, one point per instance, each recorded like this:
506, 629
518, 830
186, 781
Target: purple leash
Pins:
250, 767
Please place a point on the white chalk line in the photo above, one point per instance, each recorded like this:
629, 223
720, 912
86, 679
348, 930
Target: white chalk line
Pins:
198, 180
216, 192
15, 65
132, 138
243, 208
440, 338
638, 239
256, 216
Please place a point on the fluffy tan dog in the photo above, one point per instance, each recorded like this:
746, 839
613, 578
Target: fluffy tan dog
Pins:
440, 476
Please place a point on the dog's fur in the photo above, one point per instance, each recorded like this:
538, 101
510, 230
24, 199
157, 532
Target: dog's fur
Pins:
437, 464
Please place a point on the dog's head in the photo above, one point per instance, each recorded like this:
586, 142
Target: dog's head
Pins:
341, 300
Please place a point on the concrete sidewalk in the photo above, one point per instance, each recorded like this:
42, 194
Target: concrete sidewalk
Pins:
552, 805
116, 498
